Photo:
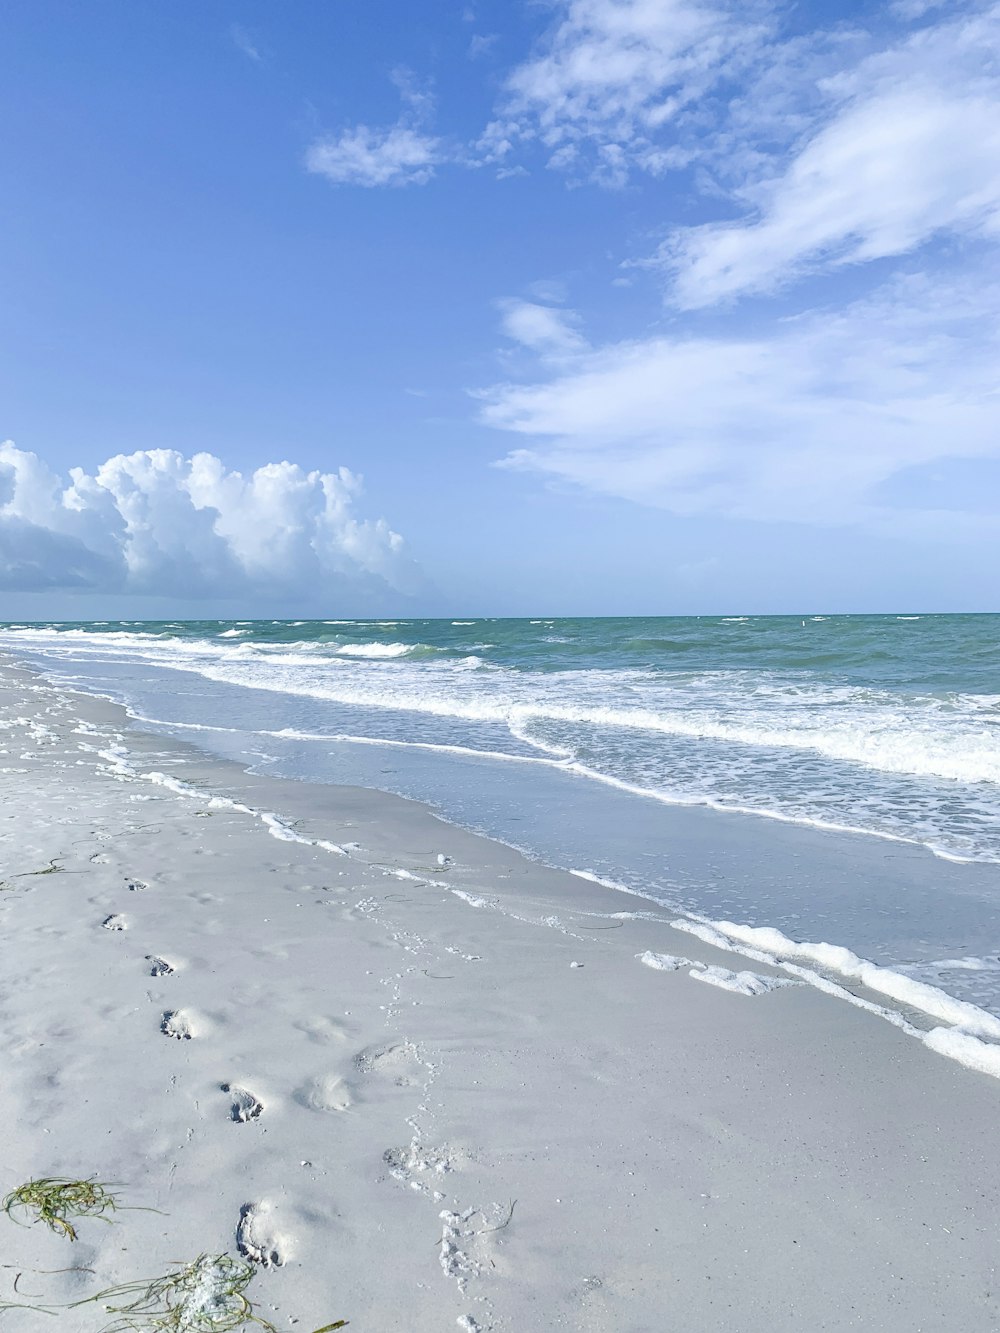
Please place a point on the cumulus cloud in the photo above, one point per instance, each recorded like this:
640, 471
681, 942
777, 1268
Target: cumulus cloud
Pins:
404, 153
812, 421
158, 523
909, 150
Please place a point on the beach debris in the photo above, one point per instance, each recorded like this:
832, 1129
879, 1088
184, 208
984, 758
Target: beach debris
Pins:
53, 868
55, 1199
207, 1295
576, 964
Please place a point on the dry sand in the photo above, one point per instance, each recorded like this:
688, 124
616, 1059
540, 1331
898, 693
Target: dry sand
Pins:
424, 1083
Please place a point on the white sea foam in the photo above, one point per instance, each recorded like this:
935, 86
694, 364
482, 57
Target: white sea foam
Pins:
743, 983
972, 1036
376, 649
766, 943
664, 962
121, 765
805, 749
967, 1050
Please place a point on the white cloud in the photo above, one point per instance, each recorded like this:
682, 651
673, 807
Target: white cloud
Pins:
400, 154
542, 328
809, 422
363, 155
611, 75
156, 522
481, 43
909, 150
244, 42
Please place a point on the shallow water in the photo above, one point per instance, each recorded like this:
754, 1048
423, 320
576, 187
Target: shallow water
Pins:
580, 741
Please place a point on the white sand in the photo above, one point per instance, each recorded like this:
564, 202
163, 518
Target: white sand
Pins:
427, 1085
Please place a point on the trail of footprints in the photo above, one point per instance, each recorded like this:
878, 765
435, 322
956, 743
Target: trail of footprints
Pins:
257, 1238
260, 1237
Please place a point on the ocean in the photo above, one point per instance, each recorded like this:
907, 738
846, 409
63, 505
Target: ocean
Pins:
582, 740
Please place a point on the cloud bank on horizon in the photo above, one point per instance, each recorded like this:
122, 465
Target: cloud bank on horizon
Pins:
158, 523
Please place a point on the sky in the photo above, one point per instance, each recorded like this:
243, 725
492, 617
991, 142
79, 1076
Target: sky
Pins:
499, 308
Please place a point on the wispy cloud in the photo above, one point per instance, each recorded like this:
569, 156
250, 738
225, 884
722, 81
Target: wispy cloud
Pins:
244, 42
481, 44
542, 328
810, 421
909, 150
159, 523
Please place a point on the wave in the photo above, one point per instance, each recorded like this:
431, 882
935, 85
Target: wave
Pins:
804, 743
564, 761
949, 739
380, 649
954, 1028
961, 758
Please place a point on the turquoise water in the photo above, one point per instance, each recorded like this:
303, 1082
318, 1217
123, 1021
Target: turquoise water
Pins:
837, 778
889, 725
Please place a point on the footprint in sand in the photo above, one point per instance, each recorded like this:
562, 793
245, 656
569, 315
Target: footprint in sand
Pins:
396, 1060
328, 1092
136, 885
159, 967
178, 1023
114, 922
257, 1237
322, 1029
244, 1105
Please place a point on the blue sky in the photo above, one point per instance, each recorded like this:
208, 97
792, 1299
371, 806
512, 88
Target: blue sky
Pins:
616, 306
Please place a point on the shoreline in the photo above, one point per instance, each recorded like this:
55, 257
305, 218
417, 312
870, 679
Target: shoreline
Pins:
884, 989
712, 1153
911, 1004
522, 702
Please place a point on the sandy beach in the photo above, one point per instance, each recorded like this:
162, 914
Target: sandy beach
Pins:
420, 1082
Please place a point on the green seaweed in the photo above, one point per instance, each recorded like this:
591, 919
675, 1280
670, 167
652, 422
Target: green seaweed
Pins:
207, 1295
53, 868
55, 1199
